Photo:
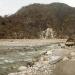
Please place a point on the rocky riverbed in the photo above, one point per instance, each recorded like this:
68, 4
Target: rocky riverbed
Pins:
34, 59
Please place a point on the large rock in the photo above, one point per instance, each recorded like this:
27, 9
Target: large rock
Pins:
70, 42
54, 59
65, 68
65, 58
57, 55
22, 68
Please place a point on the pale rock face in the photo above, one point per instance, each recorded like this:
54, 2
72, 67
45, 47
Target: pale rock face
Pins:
42, 35
48, 33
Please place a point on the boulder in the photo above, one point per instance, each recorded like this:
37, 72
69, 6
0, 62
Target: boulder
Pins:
57, 55
22, 68
49, 53
70, 42
65, 58
54, 59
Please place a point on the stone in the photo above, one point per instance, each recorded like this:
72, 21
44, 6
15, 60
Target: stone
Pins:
54, 59
65, 58
70, 42
57, 55
49, 52
22, 68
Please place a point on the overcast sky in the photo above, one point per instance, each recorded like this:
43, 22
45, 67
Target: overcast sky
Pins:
8, 7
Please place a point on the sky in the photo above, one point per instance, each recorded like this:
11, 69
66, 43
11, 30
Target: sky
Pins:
8, 7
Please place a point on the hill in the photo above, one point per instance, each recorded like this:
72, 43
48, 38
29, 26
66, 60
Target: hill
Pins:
31, 21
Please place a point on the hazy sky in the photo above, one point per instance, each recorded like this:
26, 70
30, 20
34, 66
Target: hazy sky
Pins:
8, 7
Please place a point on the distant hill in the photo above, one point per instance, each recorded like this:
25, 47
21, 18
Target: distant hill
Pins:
30, 21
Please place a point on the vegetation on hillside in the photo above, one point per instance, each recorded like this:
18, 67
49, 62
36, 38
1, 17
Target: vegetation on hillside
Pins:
31, 20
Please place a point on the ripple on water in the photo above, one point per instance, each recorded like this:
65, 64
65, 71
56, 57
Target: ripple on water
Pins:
1, 62
9, 61
4, 67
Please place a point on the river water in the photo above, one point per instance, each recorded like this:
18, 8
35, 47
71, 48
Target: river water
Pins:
12, 57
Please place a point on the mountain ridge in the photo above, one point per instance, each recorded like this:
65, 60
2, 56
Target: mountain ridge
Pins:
30, 21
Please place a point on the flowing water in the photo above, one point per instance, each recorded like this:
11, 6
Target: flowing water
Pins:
12, 57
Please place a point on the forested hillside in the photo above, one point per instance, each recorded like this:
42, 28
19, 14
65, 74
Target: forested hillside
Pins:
30, 21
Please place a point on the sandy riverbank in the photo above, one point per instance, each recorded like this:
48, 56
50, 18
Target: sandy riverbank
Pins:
28, 42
